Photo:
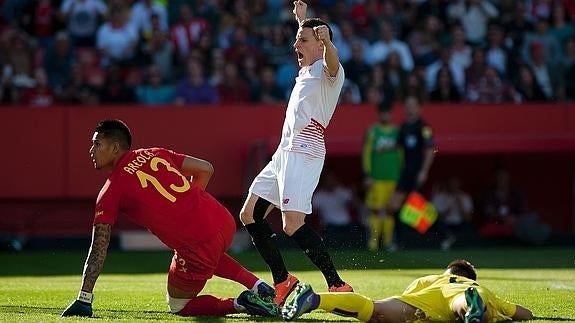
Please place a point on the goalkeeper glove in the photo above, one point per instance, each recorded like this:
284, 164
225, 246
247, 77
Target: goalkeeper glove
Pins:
82, 306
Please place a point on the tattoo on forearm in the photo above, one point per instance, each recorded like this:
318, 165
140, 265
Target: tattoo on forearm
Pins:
100, 240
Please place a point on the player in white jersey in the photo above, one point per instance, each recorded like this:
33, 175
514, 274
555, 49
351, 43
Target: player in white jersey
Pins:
289, 179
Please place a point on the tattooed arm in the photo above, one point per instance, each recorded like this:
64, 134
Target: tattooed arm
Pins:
82, 306
100, 240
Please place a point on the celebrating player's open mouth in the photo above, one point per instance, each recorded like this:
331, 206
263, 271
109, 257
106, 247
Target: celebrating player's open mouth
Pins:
299, 57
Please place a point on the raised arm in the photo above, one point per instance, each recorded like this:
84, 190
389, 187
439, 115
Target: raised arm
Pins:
330, 56
200, 170
299, 11
82, 306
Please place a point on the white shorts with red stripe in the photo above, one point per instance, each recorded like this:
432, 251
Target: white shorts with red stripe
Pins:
289, 180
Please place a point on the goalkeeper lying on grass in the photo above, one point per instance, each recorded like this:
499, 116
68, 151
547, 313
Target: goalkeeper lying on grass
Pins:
452, 296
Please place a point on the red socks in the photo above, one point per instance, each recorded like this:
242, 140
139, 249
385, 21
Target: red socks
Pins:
208, 305
230, 269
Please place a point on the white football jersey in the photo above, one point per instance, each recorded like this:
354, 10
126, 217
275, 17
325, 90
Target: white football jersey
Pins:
311, 105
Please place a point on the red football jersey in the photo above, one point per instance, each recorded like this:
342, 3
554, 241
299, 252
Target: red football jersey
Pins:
146, 185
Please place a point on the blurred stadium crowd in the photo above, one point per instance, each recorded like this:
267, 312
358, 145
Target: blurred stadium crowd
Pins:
188, 52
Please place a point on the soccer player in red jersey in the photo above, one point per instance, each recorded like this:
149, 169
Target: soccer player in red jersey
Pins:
152, 187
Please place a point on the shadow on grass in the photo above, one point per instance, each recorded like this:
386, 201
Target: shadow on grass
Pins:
67, 262
555, 319
107, 314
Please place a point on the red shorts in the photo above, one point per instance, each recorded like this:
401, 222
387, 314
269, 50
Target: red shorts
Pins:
191, 267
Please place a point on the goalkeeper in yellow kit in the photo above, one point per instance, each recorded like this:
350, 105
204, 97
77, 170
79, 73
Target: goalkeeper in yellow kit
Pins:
452, 296
381, 162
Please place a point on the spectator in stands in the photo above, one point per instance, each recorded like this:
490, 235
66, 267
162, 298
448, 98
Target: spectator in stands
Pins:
77, 91
437, 8
516, 28
83, 18
217, 61
538, 9
505, 213
546, 73
277, 48
117, 40
234, 89
12, 11
490, 89
561, 28
373, 96
395, 77
455, 68
141, 18
385, 44
205, 46
568, 69
348, 42
496, 54
58, 62
286, 74
8, 93
569, 56
424, 41
155, 91
474, 16
334, 202
115, 89
241, 46
543, 38
476, 68
528, 90
194, 88
266, 90
160, 53
350, 93
41, 94
186, 33
18, 54
367, 15
445, 89
39, 20
356, 69
461, 52
263, 15
569, 8
415, 86
454, 207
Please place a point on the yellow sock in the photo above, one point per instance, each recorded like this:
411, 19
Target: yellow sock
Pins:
388, 228
375, 224
347, 304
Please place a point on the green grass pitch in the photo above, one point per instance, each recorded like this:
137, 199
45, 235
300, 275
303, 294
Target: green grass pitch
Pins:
37, 286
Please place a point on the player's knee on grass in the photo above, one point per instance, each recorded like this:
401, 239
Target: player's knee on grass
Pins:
176, 304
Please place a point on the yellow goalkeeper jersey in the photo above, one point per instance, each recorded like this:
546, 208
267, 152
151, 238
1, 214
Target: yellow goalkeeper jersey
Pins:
434, 294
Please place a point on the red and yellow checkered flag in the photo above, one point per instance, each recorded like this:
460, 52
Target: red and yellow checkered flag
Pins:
418, 213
